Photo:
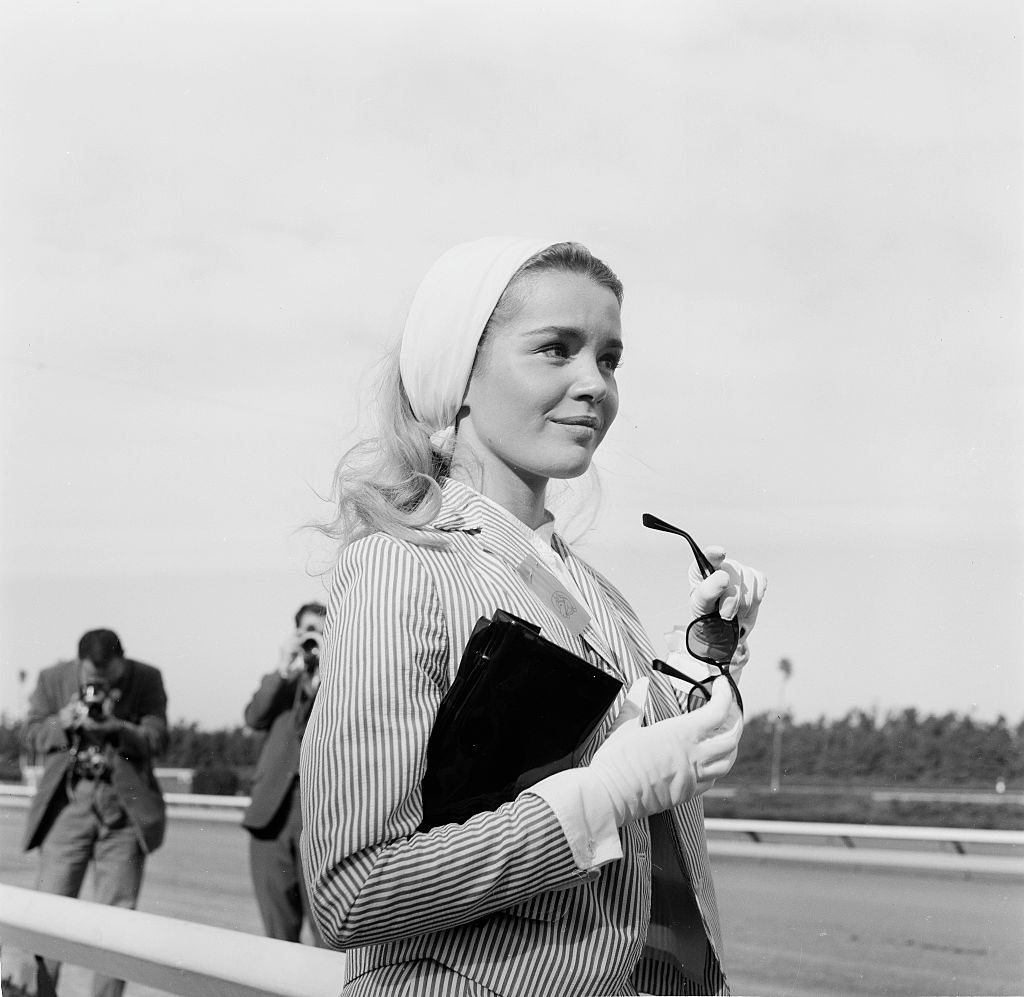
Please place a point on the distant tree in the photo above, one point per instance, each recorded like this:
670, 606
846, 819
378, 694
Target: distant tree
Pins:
191, 747
753, 762
10, 750
903, 749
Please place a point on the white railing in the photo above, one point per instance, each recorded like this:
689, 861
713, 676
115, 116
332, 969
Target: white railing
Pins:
951, 848
197, 960
178, 957
850, 834
185, 806
958, 850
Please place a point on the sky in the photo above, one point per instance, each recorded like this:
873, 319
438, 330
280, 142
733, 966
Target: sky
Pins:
214, 217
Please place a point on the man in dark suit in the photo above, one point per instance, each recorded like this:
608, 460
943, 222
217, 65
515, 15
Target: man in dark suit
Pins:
281, 705
97, 721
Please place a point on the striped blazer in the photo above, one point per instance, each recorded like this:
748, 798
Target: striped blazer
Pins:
496, 905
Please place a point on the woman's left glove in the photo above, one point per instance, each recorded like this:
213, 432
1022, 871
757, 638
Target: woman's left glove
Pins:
735, 591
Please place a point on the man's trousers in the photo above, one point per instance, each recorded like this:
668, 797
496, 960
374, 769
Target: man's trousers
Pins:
91, 828
277, 874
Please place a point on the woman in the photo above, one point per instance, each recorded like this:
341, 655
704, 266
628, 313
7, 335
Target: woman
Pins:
596, 880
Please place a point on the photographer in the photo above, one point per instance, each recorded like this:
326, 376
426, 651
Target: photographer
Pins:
98, 721
281, 706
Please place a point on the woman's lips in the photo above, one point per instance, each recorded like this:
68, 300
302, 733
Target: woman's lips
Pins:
583, 429
583, 421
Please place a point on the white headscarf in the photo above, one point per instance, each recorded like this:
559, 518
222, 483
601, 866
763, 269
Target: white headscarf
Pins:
446, 320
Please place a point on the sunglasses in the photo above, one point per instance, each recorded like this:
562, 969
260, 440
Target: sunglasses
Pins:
709, 638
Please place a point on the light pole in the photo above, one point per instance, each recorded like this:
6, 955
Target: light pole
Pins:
24, 758
786, 667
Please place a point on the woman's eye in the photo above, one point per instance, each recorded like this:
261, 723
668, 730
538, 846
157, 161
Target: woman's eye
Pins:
556, 350
613, 362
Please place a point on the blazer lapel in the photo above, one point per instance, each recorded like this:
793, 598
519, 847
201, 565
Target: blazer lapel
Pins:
506, 538
595, 638
609, 638
514, 551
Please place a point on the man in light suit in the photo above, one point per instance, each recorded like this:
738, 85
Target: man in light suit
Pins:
98, 721
281, 706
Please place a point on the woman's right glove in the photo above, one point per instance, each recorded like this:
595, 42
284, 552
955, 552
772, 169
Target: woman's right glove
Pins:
642, 771
647, 770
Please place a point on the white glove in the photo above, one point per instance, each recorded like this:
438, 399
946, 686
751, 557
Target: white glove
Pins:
642, 771
735, 591
647, 770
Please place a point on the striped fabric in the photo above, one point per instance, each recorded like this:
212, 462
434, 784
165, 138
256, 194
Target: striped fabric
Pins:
495, 905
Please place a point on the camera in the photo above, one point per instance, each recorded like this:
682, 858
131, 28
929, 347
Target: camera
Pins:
91, 762
310, 654
93, 695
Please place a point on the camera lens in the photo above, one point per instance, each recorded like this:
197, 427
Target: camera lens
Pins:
93, 694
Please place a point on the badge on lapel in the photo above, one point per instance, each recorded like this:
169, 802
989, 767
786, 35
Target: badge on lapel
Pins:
543, 583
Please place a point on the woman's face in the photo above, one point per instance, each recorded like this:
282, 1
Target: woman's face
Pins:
543, 393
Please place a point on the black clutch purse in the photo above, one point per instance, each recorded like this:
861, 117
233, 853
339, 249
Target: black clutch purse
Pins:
521, 708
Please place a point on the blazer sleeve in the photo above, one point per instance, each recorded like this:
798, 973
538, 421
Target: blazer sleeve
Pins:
146, 735
43, 733
372, 877
275, 695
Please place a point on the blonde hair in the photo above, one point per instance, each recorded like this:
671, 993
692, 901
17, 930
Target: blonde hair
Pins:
391, 482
